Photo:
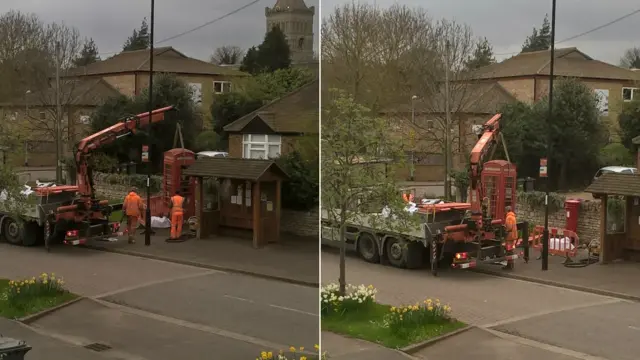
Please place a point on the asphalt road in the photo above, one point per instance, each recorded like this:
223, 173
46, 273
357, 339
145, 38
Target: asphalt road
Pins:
158, 310
516, 319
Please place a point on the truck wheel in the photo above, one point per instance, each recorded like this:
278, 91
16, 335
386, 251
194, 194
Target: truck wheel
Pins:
433, 257
11, 231
395, 250
368, 248
32, 234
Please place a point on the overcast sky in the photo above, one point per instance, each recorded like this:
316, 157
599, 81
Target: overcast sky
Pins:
109, 23
507, 23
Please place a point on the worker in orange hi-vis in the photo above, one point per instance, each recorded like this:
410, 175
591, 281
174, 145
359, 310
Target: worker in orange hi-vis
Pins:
512, 232
176, 206
407, 196
132, 208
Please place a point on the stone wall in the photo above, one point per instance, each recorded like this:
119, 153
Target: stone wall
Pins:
588, 216
300, 223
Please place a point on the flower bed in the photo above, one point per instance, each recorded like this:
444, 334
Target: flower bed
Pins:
19, 298
358, 315
293, 354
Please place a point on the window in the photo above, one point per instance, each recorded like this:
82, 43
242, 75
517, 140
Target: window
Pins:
220, 87
629, 94
261, 146
301, 43
43, 115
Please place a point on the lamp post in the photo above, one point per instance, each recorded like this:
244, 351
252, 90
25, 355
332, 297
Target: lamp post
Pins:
147, 233
413, 122
545, 243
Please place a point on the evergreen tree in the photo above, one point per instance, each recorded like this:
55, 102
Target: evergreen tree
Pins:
539, 39
271, 55
139, 40
482, 55
88, 54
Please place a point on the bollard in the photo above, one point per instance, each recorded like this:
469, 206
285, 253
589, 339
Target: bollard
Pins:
12, 349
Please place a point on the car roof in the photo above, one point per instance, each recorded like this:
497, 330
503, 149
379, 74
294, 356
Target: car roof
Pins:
211, 152
617, 168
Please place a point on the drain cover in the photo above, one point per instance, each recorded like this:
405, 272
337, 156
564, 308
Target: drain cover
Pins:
98, 347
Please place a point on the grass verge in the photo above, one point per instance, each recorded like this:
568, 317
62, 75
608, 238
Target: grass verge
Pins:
31, 305
368, 324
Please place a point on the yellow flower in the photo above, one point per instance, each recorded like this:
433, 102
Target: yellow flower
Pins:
415, 308
301, 348
370, 286
292, 349
263, 355
303, 358
393, 308
269, 355
430, 308
316, 346
44, 282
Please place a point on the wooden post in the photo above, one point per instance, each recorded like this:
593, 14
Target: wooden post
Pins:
604, 252
198, 206
257, 205
277, 209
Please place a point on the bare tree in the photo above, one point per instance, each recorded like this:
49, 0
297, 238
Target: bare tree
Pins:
227, 55
631, 58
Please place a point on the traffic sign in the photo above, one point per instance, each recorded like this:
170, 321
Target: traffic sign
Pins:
543, 167
145, 153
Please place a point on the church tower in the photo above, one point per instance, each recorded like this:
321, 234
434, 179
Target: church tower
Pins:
295, 20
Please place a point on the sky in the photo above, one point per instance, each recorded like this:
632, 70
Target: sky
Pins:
507, 23
109, 23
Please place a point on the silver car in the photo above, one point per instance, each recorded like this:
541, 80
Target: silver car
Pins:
615, 169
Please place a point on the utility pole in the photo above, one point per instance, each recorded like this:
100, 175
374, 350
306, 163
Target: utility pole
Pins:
58, 119
447, 127
147, 232
545, 243
413, 123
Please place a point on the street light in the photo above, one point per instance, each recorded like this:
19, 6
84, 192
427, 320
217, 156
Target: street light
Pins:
147, 233
545, 243
413, 122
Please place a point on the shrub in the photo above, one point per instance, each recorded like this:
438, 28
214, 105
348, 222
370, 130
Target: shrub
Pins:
356, 298
403, 319
208, 140
137, 180
300, 192
19, 292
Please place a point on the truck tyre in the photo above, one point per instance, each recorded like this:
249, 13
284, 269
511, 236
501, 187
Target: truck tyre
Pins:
433, 257
11, 231
32, 234
368, 248
396, 252
415, 255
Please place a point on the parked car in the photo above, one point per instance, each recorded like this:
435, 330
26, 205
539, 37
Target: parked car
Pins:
615, 169
212, 154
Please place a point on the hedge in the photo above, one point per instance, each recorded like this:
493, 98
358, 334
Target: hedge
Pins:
137, 180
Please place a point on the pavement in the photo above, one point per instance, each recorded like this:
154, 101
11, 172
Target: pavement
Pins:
617, 279
141, 308
294, 259
514, 318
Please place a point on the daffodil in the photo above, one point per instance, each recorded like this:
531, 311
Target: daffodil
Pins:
317, 347
292, 349
301, 348
263, 355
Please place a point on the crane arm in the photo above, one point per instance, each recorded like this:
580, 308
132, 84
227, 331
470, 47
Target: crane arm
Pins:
488, 136
106, 136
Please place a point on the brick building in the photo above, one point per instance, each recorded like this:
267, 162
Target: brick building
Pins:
129, 73
277, 127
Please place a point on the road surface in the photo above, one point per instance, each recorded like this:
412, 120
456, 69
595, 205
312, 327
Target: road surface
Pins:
515, 319
147, 309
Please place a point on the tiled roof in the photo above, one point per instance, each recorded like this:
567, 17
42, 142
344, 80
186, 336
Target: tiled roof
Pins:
84, 92
296, 112
616, 184
570, 62
166, 59
234, 168
472, 98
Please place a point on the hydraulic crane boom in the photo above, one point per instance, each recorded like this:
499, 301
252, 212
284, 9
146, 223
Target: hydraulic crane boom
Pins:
488, 138
84, 148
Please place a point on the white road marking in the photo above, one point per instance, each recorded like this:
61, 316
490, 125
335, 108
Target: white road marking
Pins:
634, 327
553, 311
238, 298
155, 282
543, 346
293, 310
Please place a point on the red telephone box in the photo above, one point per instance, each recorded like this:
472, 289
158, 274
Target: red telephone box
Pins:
499, 184
175, 161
